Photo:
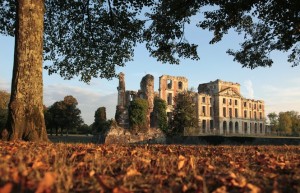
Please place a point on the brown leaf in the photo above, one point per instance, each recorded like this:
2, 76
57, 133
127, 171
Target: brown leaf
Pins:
222, 189
121, 190
7, 188
133, 172
253, 188
192, 162
181, 162
46, 182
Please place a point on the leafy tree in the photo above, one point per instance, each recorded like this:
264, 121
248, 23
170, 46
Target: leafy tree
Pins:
64, 115
289, 122
266, 25
273, 118
137, 112
285, 123
159, 115
100, 122
184, 114
4, 99
89, 38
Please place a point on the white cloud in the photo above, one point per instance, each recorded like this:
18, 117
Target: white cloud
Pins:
249, 89
89, 99
280, 99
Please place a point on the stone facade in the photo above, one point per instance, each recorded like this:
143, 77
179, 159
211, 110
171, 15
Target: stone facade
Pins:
221, 109
169, 87
125, 96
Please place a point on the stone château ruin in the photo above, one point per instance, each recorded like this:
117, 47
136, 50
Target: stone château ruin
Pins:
221, 109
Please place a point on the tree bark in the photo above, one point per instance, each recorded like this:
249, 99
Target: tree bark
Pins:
26, 116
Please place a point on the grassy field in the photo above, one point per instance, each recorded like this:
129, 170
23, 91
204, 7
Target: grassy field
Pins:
59, 167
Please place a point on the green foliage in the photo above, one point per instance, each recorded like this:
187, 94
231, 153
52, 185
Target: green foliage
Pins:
4, 100
100, 123
273, 118
264, 26
138, 113
285, 123
89, 39
184, 114
160, 114
64, 115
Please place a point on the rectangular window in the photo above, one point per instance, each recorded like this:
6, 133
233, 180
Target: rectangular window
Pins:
230, 101
170, 99
235, 102
211, 111
250, 105
255, 106
203, 111
203, 99
245, 104
169, 82
224, 111
180, 85
230, 112
224, 101
236, 112
254, 115
245, 114
260, 115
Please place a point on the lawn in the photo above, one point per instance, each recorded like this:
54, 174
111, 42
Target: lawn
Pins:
59, 167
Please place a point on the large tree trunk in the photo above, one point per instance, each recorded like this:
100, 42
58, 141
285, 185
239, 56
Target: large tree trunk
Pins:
26, 116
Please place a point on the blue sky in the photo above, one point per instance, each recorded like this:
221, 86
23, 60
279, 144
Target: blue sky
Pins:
278, 86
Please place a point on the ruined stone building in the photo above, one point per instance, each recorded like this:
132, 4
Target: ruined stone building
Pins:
221, 109
125, 96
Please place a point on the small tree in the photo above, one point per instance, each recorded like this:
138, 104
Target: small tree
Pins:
64, 115
273, 118
138, 113
100, 122
4, 100
184, 114
159, 115
285, 123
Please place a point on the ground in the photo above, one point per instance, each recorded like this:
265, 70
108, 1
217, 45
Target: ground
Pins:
60, 167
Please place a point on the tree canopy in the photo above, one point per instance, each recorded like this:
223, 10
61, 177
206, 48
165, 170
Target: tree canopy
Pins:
90, 38
4, 99
64, 115
185, 113
287, 123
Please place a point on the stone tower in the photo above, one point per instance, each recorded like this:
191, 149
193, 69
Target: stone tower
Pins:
147, 92
121, 115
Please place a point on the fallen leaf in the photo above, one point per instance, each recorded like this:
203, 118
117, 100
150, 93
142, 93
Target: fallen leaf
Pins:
7, 188
181, 161
92, 173
46, 182
222, 189
253, 188
199, 178
120, 190
133, 172
192, 162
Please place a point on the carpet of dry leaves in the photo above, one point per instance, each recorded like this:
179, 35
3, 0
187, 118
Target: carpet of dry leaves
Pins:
58, 167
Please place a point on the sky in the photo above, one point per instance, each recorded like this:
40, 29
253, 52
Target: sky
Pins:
278, 86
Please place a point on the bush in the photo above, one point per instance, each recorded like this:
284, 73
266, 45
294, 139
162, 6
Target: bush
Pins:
138, 113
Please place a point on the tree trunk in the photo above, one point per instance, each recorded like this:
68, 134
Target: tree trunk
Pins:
26, 116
